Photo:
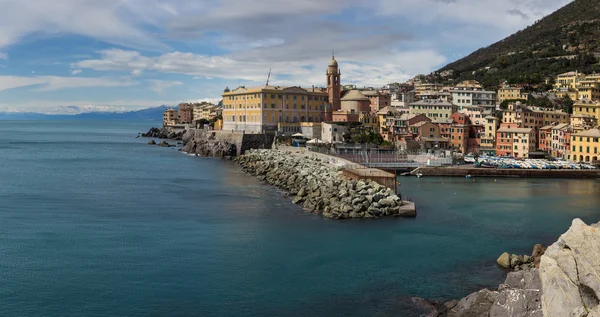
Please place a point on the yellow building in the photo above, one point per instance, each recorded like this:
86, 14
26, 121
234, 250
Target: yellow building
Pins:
170, 117
556, 117
509, 93
587, 107
426, 89
585, 146
582, 122
488, 138
469, 84
568, 80
588, 89
433, 109
262, 108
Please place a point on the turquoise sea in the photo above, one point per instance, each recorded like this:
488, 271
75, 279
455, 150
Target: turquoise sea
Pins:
94, 222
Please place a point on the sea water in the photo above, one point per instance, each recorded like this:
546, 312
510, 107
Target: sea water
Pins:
95, 222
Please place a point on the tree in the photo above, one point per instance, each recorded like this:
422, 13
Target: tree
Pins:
567, 104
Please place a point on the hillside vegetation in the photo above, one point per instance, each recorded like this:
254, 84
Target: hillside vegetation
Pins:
568, 39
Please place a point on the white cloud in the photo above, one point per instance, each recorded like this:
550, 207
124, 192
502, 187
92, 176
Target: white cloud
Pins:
377, 70
51, 83
3, 55
160, 85
76, 71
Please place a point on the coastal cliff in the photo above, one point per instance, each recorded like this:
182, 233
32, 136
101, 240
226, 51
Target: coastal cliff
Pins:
567, 283
322, 189
223, 143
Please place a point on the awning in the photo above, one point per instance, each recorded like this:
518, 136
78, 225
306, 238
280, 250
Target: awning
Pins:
298, 135
315, 141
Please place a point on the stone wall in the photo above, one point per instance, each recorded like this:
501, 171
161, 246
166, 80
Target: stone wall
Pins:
497, 172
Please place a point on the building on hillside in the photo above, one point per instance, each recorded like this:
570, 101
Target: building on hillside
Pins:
469, 84
333, 133
555, 117
433, 109
429, 135
423, 89
588, 89
568, 80
386, 118
582, 122
476, 114
465, 97
369, 121
545, 138
186, 113
561, 141
488, 138
514, 141
587, 107
507, 92
460, 129
585, 146
378, 100
445, 125
170, 117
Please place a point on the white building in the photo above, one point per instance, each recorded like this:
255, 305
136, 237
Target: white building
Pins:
333, 133
466, 97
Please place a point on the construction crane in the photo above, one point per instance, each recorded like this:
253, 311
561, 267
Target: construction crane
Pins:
268, 77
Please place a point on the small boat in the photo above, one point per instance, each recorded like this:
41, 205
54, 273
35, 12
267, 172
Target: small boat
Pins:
419, 175
468, 176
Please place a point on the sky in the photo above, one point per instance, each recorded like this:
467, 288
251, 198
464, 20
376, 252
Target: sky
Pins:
130, 54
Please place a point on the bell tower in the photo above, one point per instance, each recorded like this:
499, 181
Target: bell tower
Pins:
334, 86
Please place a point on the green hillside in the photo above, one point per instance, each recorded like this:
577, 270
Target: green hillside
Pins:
568, 39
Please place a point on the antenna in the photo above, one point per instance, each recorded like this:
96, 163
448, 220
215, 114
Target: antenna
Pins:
268, 77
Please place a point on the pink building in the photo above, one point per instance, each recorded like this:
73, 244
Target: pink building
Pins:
378, 100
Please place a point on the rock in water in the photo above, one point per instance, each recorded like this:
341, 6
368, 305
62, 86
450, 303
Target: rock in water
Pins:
570, 273
152, 142
504, 260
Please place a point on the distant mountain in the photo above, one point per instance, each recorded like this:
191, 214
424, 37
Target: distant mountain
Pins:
138, 115
568, 39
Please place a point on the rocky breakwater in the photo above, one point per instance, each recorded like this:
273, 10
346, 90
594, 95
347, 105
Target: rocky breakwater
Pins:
567, 283
322, 189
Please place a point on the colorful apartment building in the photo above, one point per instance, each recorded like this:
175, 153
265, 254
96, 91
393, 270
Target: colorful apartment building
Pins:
460, 131
582, 122
511, 93
433, 108
587, 107
488, 137
561, 141
545, 138
466, 97
585, 146
378, 100
170, 117
514, 141
186, 113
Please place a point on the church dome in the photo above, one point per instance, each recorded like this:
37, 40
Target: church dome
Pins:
333, 62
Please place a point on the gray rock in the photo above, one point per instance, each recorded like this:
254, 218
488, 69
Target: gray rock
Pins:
516, 260
477, 304
297, 200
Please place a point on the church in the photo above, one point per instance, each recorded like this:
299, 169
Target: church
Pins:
268, 108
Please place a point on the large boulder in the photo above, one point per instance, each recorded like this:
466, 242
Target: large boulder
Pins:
570, 273
519, 296
477, 304
504, 260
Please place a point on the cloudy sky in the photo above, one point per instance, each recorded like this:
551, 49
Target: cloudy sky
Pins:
130, 54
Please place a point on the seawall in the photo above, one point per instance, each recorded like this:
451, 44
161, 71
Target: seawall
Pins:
497, 172
224, 143
321, 188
